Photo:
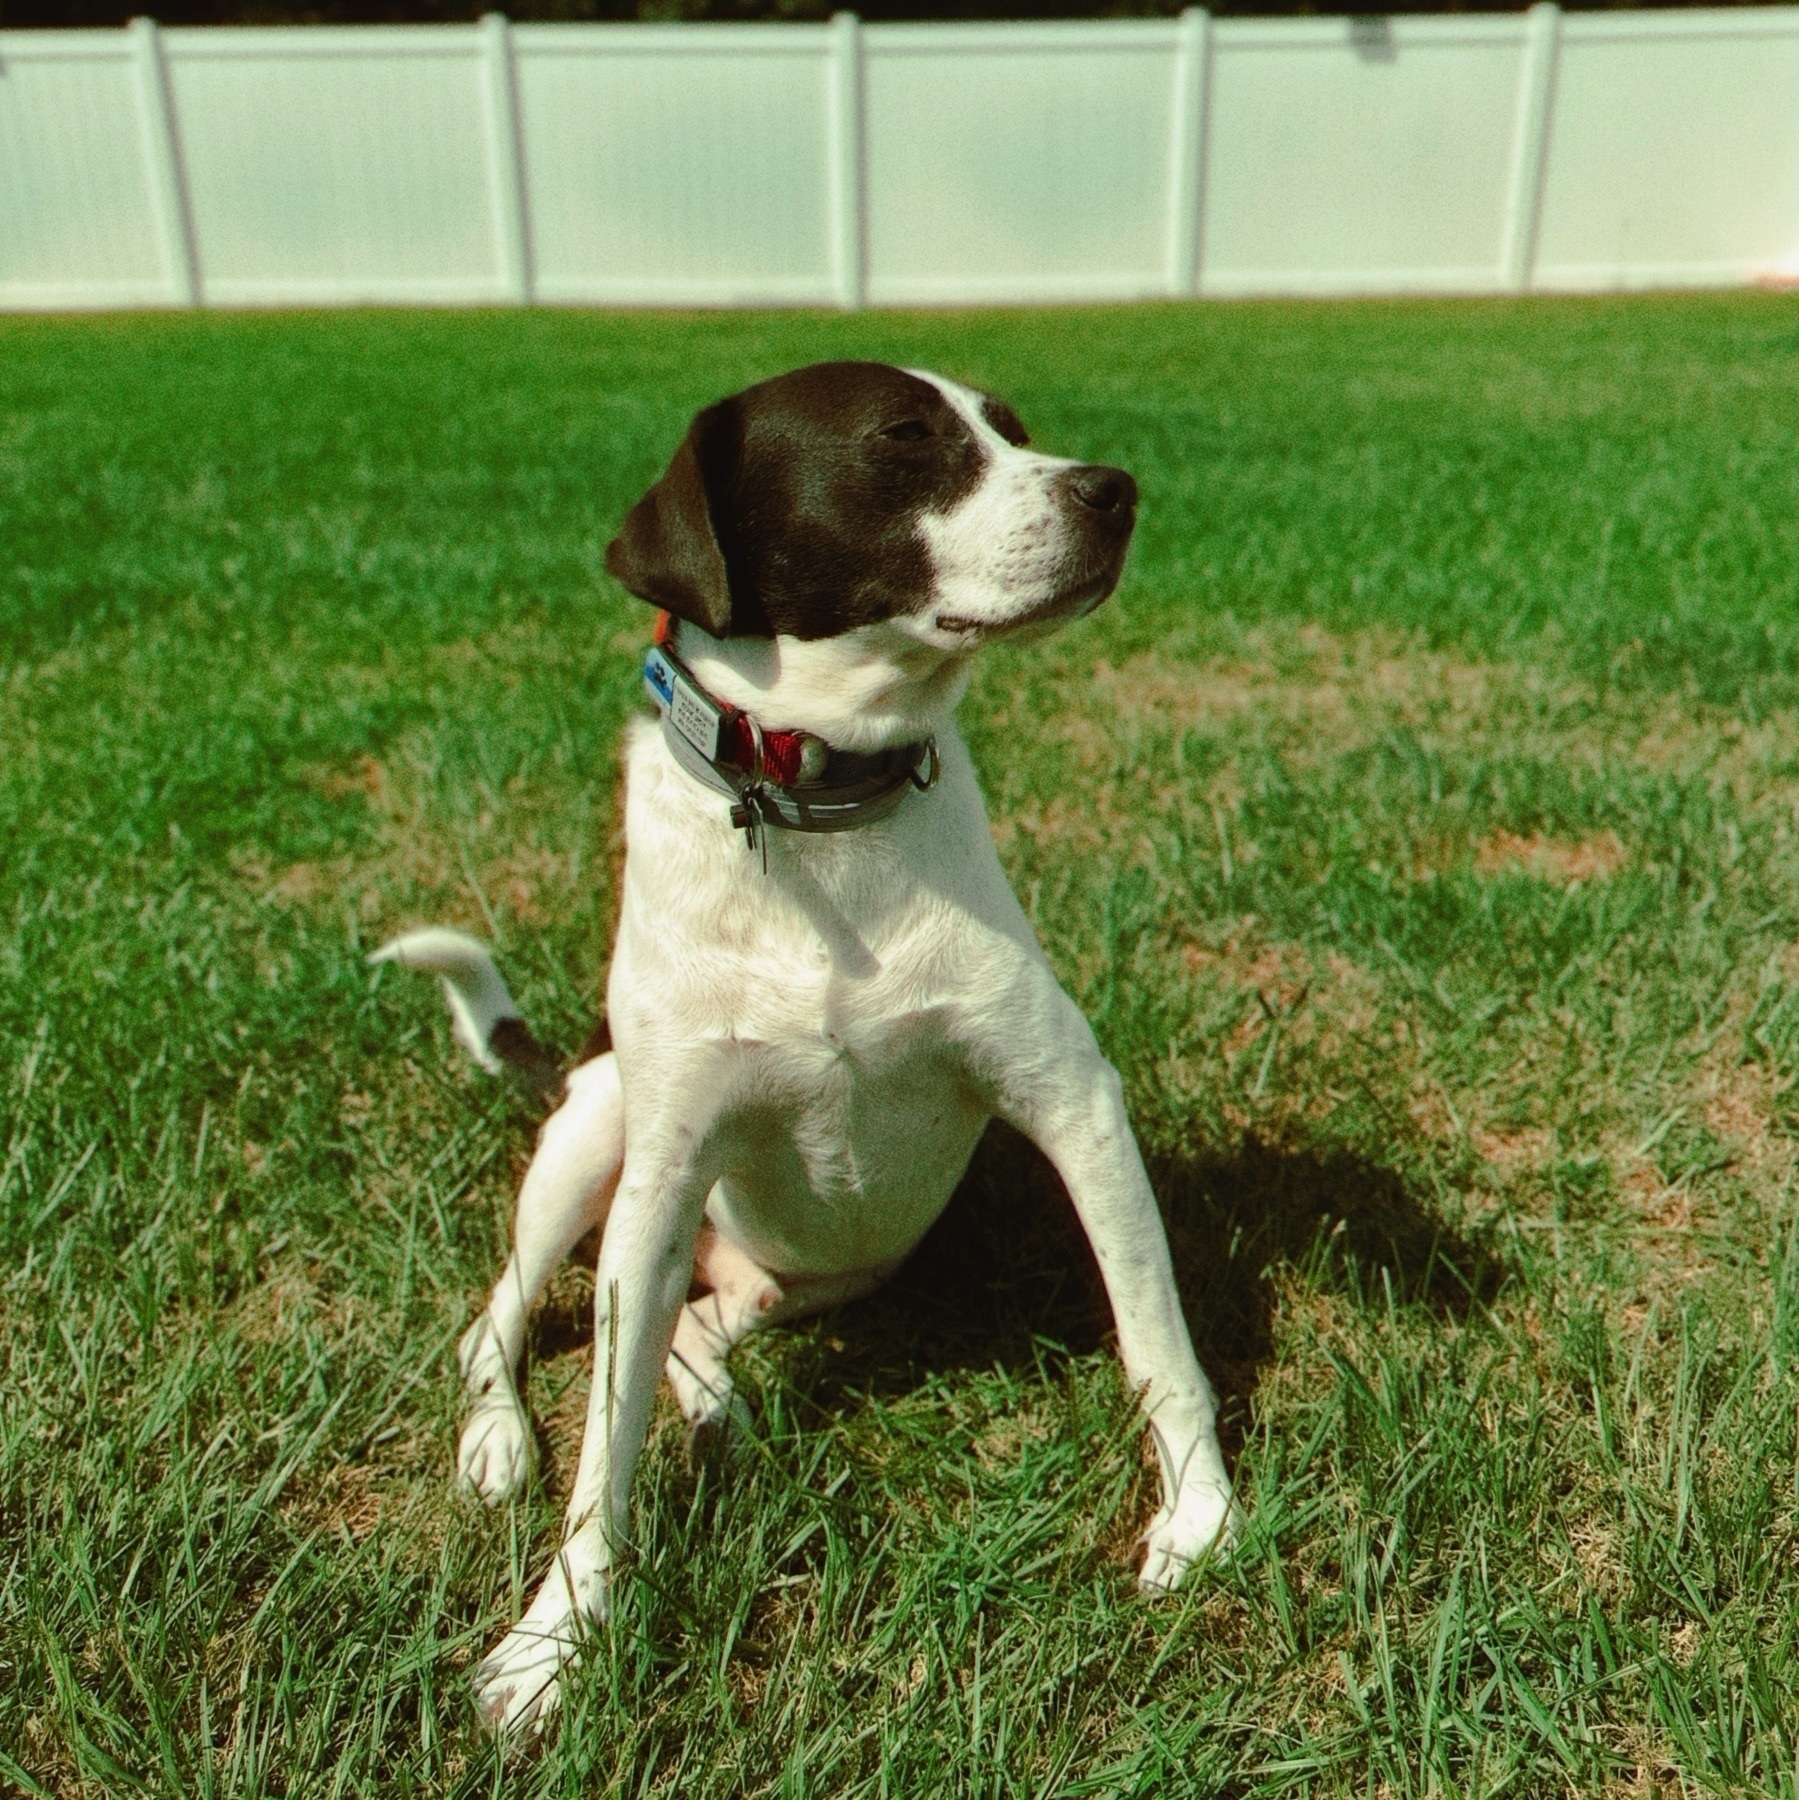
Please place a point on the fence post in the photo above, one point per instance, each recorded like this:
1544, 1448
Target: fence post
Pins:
162, 163
505, 160
845, 136
1187, 149
1530, 146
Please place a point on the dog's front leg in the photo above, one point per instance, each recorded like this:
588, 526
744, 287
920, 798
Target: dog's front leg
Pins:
1069, 1100
646, 1258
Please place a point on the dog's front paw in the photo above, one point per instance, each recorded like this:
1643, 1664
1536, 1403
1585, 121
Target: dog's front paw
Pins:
519, 1685
1204, 1519
497, 1451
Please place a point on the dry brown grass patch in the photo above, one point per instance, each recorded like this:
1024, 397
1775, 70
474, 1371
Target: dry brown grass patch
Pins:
343, 1501
1595, 858
268, 1311
1739, 1112
507, 863
1342, 690
366, 776
1664, 1206
1288, 997
1514, 1152
1280, 976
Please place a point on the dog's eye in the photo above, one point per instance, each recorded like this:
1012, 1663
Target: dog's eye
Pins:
907, 431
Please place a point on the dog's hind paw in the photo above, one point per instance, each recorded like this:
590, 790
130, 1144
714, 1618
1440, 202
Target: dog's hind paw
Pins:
497, 1451
1204, 1520
519, 1685
718, 1432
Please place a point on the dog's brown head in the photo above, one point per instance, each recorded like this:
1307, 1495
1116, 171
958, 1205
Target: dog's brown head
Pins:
849, 493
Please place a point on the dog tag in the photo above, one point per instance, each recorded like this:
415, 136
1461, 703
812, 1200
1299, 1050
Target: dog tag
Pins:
694, 714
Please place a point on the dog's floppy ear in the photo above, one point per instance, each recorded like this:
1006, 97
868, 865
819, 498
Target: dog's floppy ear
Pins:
667, 551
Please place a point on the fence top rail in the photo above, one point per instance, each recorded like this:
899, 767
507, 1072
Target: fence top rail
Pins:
1028, 34
1369, 30
1368, 34
66, 46
196, 41
1682, 22
612, 38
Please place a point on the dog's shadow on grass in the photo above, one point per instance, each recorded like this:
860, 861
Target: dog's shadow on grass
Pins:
1006, 1276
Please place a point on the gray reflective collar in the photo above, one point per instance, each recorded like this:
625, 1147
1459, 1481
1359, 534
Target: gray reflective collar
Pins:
856, 790
724, 749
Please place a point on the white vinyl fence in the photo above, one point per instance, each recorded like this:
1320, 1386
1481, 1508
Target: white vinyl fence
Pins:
897, 164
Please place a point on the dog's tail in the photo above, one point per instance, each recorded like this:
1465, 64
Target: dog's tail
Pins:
487, 1021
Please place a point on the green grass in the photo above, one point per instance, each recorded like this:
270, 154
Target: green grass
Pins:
1418, 827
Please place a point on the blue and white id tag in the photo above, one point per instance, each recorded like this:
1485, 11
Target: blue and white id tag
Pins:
694, 714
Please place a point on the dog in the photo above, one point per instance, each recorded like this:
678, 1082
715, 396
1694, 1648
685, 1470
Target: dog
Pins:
823, 987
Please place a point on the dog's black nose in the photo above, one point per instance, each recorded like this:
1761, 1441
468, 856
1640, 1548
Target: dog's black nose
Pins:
1104, 490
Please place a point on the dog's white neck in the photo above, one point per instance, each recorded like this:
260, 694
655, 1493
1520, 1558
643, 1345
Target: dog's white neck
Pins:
871, 688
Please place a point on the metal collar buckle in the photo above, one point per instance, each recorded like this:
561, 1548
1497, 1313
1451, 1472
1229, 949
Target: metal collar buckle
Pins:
749, 815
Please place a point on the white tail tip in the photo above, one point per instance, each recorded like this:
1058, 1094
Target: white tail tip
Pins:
472, 984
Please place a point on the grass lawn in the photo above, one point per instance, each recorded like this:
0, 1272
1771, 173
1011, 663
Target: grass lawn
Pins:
1417, 826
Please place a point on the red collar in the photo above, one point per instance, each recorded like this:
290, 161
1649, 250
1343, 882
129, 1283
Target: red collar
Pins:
782, 751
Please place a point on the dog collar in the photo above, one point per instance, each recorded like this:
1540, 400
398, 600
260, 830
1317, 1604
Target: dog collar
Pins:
789, 780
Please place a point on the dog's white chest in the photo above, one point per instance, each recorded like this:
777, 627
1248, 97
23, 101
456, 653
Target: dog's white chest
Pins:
850, 1120
844, 1149
833, 994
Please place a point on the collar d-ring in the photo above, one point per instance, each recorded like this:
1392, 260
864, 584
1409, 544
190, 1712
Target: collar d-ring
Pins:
758, 758
924, 783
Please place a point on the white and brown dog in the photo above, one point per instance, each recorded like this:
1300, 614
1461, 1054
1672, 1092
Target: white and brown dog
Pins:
823, 987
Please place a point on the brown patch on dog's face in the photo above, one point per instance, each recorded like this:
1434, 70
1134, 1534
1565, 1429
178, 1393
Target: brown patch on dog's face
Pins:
792, 508
809, 506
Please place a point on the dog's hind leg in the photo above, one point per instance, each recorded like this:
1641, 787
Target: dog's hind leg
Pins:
742, 1295
744, 1298
565, 1194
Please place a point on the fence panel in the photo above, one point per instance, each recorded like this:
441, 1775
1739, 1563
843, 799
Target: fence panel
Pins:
910, 164
78, 220
668, 165
1018, 162
337, 164
1365, 155
1674, 159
